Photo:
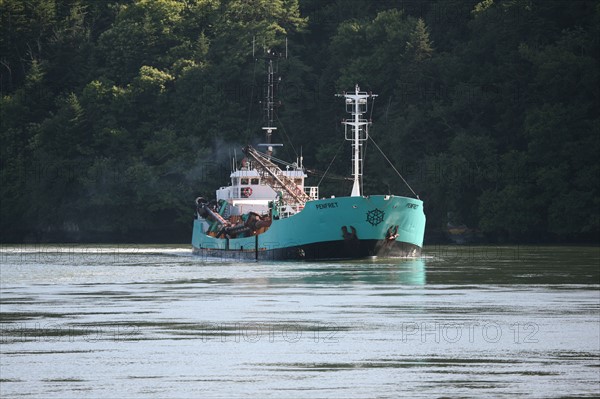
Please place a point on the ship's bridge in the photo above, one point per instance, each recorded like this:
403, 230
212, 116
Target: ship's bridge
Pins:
249, 191
247, 186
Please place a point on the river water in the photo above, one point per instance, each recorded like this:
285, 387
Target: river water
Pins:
138, 321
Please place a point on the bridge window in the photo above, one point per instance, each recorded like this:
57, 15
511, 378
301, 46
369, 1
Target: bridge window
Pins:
254, 181
244, 180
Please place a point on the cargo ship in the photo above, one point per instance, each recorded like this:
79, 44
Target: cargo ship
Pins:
266, 212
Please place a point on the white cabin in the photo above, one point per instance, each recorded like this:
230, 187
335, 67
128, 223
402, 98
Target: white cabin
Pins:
248, 193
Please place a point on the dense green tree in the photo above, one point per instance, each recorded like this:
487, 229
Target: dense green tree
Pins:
115, 115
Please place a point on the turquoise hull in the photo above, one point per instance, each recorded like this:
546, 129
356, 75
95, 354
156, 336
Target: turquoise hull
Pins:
333, 228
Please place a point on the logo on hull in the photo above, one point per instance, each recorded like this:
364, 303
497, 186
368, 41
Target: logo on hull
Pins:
375, 216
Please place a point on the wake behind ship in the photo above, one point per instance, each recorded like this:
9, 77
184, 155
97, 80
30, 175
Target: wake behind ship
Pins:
267, 213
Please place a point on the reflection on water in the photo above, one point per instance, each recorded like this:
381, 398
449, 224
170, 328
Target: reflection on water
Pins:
138, 321
390, 271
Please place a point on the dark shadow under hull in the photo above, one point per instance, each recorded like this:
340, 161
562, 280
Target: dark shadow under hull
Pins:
329, 250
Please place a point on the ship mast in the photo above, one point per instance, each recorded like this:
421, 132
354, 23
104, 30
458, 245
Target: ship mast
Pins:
269, 101
356, 131
277, 179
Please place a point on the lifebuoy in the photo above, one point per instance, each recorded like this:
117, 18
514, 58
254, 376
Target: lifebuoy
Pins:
246, 192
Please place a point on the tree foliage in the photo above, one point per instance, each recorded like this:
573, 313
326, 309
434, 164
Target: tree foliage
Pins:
115, 115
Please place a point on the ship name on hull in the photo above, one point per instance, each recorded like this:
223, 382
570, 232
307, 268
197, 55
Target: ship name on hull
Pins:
327, 205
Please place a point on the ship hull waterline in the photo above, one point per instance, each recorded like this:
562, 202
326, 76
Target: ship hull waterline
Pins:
339, 228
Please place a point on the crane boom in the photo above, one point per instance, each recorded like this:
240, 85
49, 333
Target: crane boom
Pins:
276, 178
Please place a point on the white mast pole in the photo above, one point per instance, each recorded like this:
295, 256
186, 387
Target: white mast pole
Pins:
356, 105
355, 160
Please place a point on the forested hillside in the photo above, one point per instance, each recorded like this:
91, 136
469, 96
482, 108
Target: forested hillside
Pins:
116, 115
